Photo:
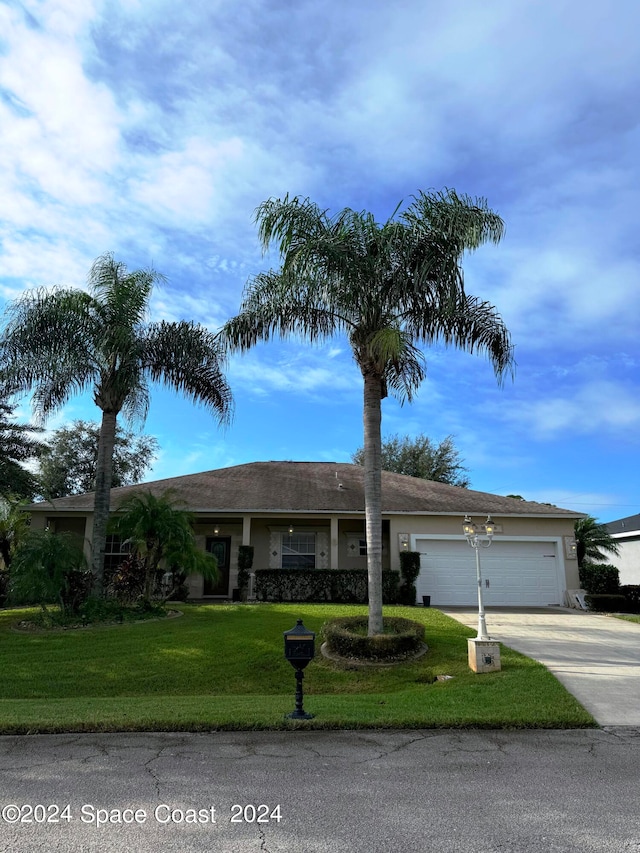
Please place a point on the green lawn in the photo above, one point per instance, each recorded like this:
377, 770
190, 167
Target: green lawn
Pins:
628, 617
222, 667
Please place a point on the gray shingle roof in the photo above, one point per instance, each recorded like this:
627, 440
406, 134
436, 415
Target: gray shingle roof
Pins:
313, 487
624, 525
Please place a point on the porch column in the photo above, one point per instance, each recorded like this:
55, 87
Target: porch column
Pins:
333, 562
246, 530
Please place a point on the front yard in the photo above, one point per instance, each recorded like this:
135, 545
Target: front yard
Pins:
222, 667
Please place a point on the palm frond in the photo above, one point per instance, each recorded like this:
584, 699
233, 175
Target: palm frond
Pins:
464, 222
401, 364
468, 324
123, 296
289, 222
282, 305
47, 344
188, 358
592, 538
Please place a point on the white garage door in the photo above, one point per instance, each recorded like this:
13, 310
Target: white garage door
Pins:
513, 573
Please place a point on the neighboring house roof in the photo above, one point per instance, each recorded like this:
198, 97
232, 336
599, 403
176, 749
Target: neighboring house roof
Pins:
629, 526
313, 487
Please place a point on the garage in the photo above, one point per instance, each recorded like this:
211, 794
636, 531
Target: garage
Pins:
514, 573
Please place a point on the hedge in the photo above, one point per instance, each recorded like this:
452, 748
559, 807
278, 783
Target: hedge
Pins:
344, 586
632, 593
606, 603
346, 636
409, 569
599, 578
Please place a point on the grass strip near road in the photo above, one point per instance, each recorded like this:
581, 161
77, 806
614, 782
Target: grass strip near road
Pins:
222, 667
628, 617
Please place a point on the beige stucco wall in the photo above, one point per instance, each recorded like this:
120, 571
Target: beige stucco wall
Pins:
262, 529
78, 523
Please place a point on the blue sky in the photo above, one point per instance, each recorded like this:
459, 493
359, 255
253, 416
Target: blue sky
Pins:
153, 130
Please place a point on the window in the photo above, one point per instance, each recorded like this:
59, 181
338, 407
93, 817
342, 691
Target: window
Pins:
298, 550
115, 552
356, 545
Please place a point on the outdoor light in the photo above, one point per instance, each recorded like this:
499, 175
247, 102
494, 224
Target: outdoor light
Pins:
468, 526
473, 538
216, 530
290, 529
299, 649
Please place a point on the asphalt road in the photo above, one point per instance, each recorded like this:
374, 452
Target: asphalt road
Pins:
323, 792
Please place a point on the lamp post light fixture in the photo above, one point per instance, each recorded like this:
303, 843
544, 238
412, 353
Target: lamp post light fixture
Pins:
473, 535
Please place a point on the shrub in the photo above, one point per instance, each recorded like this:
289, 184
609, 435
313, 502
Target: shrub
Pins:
409, 569
127, 581
4, 586
346, 586
632, 593
347, 637
76, 590
49, 568
180, 586
245, 563
599, 579
606, 603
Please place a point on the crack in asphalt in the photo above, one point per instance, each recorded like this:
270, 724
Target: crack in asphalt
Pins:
263, 840
147, 767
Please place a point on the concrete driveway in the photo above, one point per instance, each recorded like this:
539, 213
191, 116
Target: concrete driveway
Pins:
597, 658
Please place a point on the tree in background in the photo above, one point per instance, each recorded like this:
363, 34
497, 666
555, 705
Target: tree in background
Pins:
14, 525
420, 457
159, 530
390, 288
17, 446
592, 538
69, 459
58, 343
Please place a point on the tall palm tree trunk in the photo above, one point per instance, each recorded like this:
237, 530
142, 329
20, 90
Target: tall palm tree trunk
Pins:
104, 475
373, 496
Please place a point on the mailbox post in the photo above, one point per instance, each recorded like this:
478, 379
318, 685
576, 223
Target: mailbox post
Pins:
299, 649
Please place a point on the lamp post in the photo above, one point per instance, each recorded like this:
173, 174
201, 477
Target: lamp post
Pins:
473, 534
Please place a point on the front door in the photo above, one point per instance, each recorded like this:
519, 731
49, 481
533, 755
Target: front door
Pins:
220, 547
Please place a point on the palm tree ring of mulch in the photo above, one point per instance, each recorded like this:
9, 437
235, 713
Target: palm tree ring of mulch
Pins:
347, 642
362, 663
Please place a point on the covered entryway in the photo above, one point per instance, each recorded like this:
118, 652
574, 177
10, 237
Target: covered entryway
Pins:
514, 573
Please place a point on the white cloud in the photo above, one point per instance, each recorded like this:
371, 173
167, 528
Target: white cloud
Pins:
303, 375
183, 186
600, 406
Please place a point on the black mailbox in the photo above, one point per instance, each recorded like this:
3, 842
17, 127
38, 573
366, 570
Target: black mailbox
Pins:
299, 645
299, 649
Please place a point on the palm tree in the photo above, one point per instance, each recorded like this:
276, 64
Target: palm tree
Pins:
158, 529
61, 342
390, 288
592, 538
